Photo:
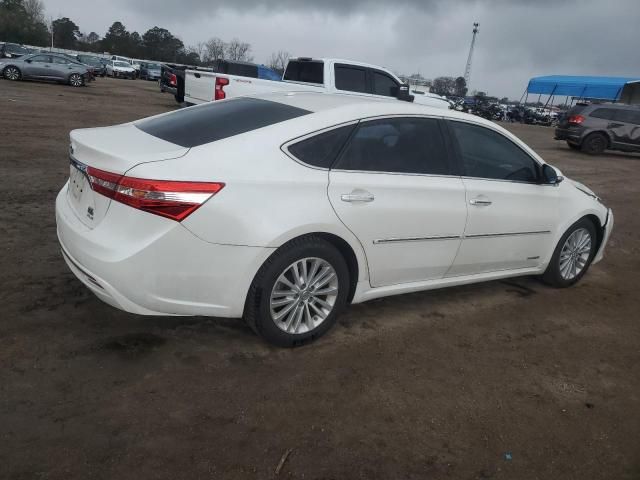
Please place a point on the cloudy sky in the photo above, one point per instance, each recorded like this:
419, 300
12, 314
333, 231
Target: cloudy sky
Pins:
518, 39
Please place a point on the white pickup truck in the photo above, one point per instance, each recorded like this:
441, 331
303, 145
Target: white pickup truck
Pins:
307, 74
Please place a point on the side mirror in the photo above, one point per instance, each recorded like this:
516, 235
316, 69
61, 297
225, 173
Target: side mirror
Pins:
403, 93
550, 176
28, 60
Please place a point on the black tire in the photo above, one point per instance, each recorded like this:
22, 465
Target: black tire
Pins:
573, 146
595, 143
257, 312
11, 72
552, 276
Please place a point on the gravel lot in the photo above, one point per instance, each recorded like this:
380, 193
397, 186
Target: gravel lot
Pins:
442, 384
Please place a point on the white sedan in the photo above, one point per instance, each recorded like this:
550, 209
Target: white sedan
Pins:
118, 68
283, 208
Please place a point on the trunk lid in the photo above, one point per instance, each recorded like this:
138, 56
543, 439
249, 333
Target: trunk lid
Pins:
116, 150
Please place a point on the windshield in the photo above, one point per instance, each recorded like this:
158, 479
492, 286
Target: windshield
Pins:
153, 66
121, 64
11, 48
89, 60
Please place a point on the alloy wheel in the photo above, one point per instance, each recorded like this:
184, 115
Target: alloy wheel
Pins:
304, 295
11, 73
575, 253
75, 80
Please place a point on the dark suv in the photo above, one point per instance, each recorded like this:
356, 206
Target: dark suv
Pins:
598, 127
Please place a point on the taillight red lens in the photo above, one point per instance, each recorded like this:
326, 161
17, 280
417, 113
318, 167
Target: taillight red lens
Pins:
576, 119
167, 198
173, 80
219, 91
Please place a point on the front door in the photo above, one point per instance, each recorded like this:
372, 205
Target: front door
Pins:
394, 188
511, 215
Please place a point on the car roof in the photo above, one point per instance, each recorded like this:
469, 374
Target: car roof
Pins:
360, 106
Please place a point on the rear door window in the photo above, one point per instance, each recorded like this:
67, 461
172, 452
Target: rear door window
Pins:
351, 79
321, 150
604, 113
191, 127
397, 145
308, 71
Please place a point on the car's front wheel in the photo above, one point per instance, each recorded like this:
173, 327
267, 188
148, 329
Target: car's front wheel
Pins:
11, 73
573, 255
76, 80
298, 293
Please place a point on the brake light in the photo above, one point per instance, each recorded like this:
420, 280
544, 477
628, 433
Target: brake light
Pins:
575, 119
173, 80
219, 94
167, 198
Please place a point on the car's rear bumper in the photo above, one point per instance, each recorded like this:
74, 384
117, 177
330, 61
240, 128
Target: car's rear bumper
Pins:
608, 227
145, 264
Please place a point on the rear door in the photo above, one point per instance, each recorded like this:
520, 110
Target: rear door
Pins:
60, 68
394, 187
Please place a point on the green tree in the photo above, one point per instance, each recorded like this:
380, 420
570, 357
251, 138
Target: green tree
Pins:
461, 87
65, 33
22, 22
444, 86
116, 40
160, 44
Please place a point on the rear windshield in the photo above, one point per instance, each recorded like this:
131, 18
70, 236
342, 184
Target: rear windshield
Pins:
191, 127
308, 71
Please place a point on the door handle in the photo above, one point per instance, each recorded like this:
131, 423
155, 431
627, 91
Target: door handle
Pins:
197, 75
357, 197
480, 202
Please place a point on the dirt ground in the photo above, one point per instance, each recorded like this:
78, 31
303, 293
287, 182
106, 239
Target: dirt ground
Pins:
502, 380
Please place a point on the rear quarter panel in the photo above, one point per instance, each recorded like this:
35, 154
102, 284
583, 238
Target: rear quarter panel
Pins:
268, 198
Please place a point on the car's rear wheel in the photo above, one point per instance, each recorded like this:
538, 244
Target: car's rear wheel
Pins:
298, 293
573, 255
76, 80
11, 73
594, 144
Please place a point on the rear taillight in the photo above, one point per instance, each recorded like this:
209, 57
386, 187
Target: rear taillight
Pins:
167, 198
575, 119
220, 84
173, 80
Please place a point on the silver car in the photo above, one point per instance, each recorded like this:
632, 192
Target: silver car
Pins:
44, 66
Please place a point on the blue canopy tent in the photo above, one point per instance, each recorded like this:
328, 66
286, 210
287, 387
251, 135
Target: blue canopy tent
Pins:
600, 88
